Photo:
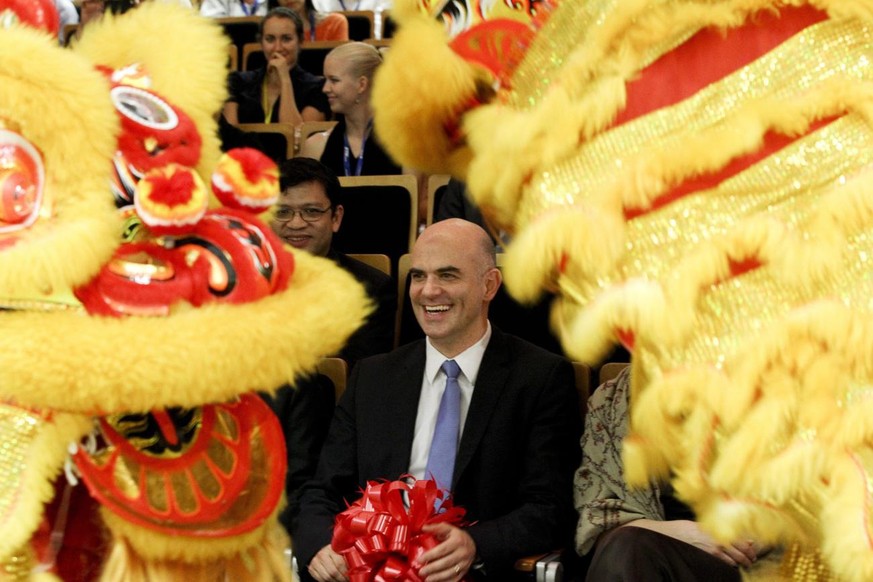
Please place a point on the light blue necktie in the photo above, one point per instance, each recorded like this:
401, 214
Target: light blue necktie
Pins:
444, 446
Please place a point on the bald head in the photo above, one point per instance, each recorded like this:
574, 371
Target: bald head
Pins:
452, 281
469, 235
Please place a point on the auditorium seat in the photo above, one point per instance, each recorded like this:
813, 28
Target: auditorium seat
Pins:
380, 215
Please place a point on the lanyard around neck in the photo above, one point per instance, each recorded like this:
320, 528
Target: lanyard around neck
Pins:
311, 26
265, 101
347, 153
343, 4
246, 10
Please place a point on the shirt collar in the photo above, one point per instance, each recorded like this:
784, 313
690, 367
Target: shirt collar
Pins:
469, 360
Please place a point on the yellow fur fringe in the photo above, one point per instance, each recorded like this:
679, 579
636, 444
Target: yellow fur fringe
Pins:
592, 243
62, 107
776, 445
138, 555
193, 357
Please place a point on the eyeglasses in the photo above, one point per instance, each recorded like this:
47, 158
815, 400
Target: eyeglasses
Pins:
308, 214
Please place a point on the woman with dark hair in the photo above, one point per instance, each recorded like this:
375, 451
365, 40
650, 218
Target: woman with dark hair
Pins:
281, 91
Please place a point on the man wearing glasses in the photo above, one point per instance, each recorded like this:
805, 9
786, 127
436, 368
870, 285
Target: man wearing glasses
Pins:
306, 217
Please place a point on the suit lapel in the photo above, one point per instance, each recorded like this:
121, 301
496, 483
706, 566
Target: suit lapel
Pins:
493, 374
405, 388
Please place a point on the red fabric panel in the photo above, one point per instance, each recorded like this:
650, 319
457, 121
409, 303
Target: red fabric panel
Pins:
709, 56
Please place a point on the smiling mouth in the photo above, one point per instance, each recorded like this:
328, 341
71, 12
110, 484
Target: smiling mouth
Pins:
436, 308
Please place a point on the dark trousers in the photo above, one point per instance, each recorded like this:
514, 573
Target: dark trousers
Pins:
634, 554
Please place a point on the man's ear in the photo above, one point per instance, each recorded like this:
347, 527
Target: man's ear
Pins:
493, 279
337, 217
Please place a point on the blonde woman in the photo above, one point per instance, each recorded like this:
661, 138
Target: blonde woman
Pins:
351, 148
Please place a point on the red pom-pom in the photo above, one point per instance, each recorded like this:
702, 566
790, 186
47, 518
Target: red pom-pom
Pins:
246, 179
171, 199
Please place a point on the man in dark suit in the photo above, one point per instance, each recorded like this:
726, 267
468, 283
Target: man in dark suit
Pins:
519, 426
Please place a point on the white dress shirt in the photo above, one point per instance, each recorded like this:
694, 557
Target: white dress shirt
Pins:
432, 387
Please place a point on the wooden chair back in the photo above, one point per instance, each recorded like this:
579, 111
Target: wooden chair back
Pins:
375, 260
582, 373
436, 185
337, 371
232, 58
308, 128
277, 139
361, 24
381, 215
252, 56
404, 329
379, 43
313, 53
241, 30
610, 370
389, 25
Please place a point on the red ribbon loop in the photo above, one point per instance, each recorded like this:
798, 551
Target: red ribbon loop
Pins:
380, 537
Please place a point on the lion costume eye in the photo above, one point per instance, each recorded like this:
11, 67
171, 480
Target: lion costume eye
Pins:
22, 177
144, 107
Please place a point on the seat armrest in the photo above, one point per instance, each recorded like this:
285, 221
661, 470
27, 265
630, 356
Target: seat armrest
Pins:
545, 567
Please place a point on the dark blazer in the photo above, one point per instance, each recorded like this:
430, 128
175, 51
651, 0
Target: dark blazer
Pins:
245, 88
515, 463
305, 411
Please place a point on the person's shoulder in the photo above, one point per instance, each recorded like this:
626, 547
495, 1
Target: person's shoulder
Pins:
244, 80
613, 391
299, 74
394, 359
522, 348
314, 145
334, 17
247, 76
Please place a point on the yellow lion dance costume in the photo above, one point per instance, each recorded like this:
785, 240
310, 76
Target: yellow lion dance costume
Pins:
693, 178
139, 315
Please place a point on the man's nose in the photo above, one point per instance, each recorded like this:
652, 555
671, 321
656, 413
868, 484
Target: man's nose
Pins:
430, 287
296, 220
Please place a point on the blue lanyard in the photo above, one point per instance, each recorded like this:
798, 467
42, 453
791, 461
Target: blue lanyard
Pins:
343, 4
347, 152
311, 26
246, 10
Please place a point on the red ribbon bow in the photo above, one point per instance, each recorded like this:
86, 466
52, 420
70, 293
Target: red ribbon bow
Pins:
380, 536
